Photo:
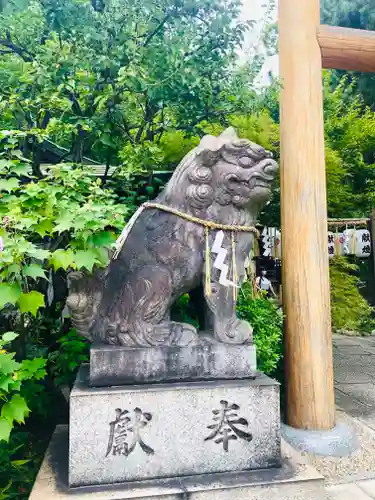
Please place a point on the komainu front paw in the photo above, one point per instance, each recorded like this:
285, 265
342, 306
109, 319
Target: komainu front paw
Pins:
236, 331
184, 334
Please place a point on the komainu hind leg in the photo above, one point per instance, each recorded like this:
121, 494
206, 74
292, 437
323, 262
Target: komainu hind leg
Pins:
166, 333
173, 333
148, 302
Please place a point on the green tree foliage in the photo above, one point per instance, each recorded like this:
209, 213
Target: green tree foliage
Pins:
111, 78
357, 14
350, 147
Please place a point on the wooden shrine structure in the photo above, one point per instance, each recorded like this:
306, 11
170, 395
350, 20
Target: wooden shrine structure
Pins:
305, 47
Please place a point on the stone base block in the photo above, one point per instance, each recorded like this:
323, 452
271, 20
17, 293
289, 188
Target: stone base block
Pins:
114, 365
141, 432
294, 480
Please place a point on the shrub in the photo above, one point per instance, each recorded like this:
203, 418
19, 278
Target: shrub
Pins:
64, 220
64, 362
267, 322
14, 391
350, 311
19, 463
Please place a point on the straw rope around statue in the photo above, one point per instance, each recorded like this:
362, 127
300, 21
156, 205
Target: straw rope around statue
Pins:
207, 224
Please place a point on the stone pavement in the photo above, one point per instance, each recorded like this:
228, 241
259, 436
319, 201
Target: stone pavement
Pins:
354, 373
362, 490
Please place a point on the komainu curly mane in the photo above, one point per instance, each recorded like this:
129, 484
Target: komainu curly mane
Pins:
225, 180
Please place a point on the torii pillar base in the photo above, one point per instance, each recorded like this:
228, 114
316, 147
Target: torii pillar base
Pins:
337, 442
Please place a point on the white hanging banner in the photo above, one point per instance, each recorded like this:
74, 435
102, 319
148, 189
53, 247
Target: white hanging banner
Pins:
266, 240
331, 244
363, 243
350, 242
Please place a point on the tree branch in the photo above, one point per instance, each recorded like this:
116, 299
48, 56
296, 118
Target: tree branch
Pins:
46, 119
15, 49
127, 129
156, 30
140, 132
75, 104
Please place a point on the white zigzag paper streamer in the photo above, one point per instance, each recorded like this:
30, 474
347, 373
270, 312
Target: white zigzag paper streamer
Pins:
219, 261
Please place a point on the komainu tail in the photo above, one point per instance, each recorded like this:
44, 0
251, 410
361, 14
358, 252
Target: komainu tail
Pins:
85, 293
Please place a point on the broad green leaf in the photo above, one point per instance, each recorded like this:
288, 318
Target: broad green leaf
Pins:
62, 259
34, 271
4, 163
16, 386
107, 140
7, 363
18, 154
15, 409
5, 429
31, 302
102, 256
44, 227
103, 238
9, 184
9, 336
12, 269
5, 382
85, 258
64, 223
21, 169
38, 253
26, 222
33, 365
33, 368
9, 293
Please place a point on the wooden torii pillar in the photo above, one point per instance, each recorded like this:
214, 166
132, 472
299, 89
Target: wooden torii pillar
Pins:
305, 47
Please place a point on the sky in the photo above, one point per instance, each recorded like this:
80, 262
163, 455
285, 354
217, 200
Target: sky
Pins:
255, 9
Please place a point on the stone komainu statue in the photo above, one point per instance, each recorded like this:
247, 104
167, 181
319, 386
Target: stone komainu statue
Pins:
225, 180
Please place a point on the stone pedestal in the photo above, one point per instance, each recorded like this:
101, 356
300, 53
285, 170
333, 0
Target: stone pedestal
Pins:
215, 439
294, 480
116, 365
139, 432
